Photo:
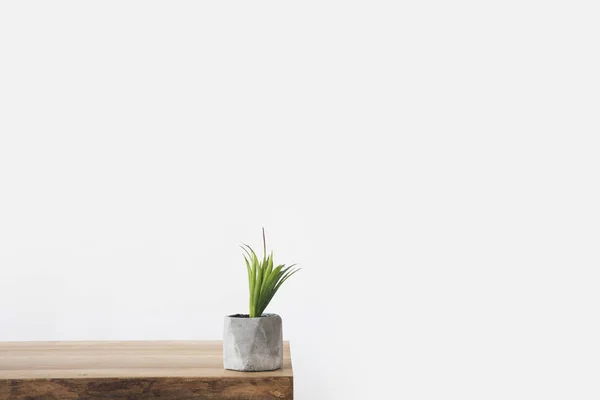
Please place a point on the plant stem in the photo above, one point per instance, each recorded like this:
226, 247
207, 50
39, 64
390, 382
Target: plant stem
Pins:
264, 244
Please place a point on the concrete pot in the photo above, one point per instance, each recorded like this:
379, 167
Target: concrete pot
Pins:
253, 344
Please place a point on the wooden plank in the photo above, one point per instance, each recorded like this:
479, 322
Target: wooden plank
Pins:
134, 371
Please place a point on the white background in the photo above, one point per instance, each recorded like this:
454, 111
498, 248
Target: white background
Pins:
433, 166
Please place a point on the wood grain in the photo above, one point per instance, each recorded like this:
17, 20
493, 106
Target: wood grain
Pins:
133, 371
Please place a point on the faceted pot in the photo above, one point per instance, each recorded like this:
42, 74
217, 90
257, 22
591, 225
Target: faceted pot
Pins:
253, 344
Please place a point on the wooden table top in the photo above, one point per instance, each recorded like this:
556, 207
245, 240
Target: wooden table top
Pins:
148, 368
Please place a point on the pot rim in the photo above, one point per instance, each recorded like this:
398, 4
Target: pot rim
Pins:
246, 316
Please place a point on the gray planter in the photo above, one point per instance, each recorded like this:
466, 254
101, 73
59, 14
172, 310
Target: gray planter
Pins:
253, 344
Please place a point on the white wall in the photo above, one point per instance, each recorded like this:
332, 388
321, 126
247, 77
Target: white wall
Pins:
432, 166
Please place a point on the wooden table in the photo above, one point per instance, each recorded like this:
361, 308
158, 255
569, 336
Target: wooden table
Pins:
133, 371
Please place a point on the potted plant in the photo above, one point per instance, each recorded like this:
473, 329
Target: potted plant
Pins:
254, 341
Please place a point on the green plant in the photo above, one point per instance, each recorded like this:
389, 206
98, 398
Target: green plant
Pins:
264, 280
